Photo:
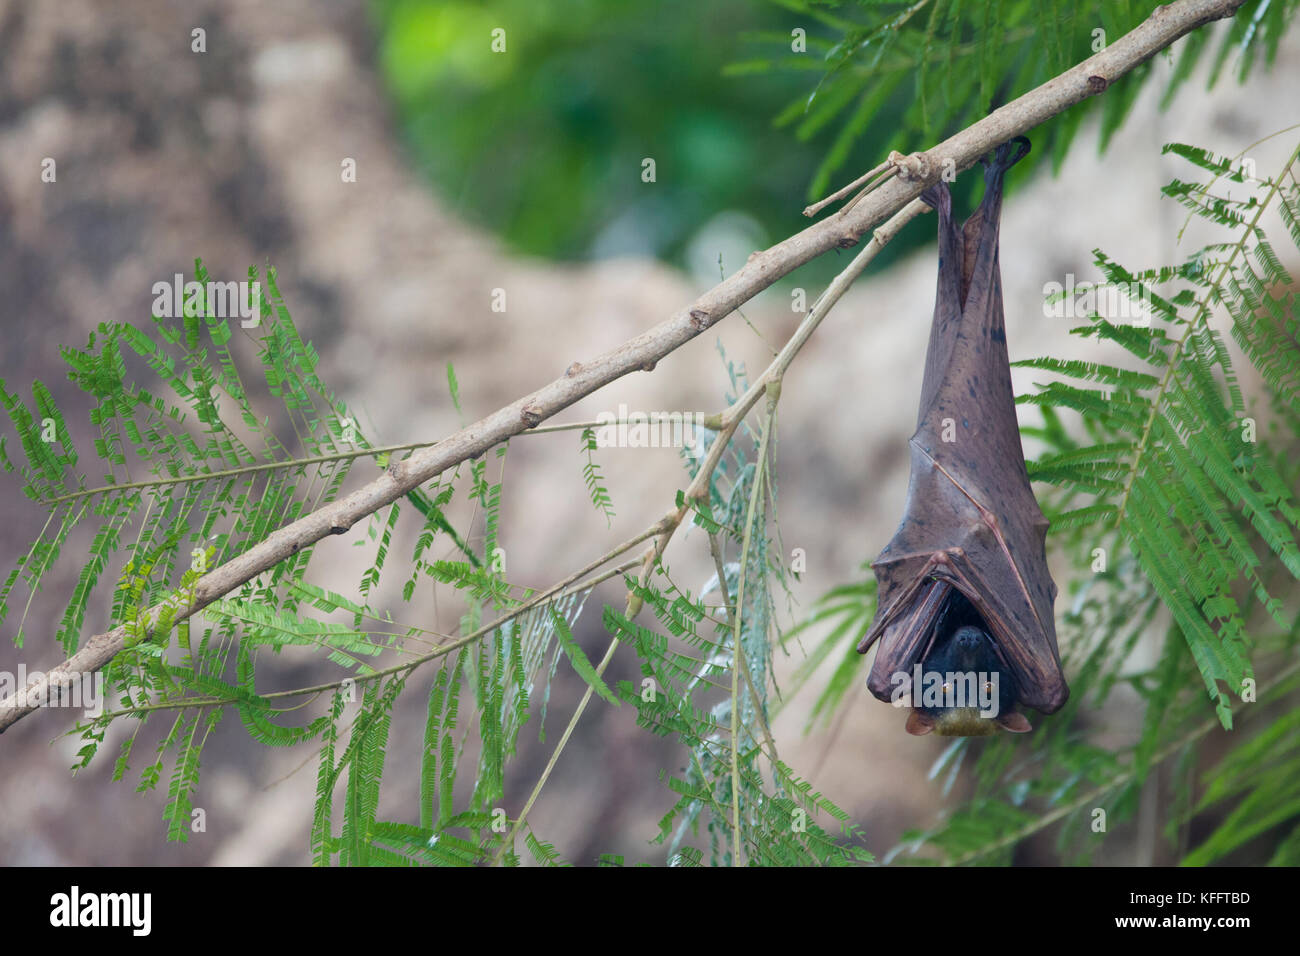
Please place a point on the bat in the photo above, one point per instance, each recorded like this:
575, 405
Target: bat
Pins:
964, 616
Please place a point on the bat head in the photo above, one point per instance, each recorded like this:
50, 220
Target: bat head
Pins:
962, 688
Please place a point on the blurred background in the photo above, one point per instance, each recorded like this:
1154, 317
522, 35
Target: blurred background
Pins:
475, 172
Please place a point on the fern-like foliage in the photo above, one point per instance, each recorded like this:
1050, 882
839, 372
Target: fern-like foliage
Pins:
1176, 468
194, 474
595, 481
706, 683
904, 75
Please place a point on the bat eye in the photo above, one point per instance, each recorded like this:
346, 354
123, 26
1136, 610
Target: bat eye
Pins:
947, 688
988, 687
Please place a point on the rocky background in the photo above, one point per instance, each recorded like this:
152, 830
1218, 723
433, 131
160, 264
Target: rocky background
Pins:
233, 156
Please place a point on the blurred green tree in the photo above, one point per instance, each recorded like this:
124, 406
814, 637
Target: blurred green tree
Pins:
544, 142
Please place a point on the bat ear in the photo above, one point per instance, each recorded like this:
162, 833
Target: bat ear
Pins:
918, 724
1015, 722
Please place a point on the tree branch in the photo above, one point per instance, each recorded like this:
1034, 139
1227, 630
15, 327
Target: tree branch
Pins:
1165, 25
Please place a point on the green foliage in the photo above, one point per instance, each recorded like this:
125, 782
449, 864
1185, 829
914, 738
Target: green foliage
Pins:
905, 75
748, 800
1175, 469
848, 611
195, 469
595, 481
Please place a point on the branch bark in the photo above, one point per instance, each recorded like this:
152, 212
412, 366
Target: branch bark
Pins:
1089, 78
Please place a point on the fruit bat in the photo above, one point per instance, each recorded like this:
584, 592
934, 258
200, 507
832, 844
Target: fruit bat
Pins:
964, 615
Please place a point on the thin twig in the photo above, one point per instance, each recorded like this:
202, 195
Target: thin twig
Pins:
885, 167
555, 754
715, 546
236, 472
773, 390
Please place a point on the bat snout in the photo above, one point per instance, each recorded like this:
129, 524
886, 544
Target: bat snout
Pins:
969, 638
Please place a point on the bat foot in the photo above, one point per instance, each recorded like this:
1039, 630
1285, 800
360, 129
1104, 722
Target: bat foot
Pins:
1015, 722
919, 724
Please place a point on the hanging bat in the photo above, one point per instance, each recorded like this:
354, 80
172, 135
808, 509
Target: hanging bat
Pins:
964, 615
